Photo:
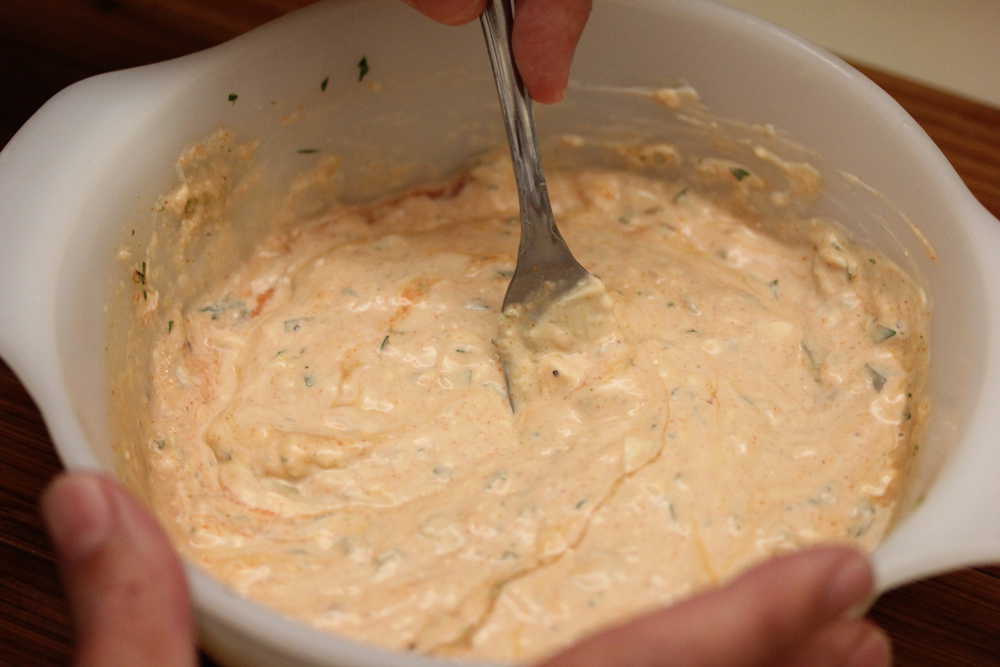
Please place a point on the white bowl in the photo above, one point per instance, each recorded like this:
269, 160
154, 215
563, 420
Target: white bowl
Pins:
89, 164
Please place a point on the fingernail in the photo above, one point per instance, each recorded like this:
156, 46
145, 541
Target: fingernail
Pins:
78, 515
873, 651
851, 584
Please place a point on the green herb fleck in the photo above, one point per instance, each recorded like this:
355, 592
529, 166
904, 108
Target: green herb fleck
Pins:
878, 380
671, 304
691, 331
139, 275
625, 220
680, 195
871, 260
307, 151
362, 68
324, 84
294, 324
145, 295
309, 380
383, 344
865, 515
581, 503
233, 97
160, 444
739, 173
476, 305
170, 326
811, 358
460, 350
775, 291
883, 333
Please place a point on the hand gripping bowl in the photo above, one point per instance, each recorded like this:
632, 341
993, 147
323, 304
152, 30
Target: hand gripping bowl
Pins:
88, 166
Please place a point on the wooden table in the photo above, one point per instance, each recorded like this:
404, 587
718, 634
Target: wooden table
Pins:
47, 44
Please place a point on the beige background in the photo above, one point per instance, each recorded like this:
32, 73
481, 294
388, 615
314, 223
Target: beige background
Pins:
951, 44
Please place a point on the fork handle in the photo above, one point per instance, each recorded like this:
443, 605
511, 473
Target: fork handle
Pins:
536, 211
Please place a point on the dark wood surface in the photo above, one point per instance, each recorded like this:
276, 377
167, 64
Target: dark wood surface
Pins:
48, 44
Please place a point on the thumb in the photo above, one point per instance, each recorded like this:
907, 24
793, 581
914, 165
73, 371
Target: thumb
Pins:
779, 612
126, 587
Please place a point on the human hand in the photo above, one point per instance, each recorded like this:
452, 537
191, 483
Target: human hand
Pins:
125, 584
129, 601
545, 36
787, 612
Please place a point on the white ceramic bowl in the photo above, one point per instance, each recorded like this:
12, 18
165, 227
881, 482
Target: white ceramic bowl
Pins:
91, 161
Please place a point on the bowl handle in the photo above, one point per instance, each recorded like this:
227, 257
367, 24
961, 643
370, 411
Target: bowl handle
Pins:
958, 525
48, 172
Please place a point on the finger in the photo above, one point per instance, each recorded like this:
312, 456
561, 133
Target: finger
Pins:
753, 621
854, 643
546, 33
449, 12
126, 586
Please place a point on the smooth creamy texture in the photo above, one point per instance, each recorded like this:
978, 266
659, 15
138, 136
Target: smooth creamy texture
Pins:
332, 435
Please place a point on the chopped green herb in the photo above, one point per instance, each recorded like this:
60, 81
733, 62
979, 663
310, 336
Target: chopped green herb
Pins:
878, 380
233, 97
307, 151
383, 344
811, 357
691, 331
139, 275
739, 173
624, 219
476, 305
309, 380
160, 444
775, 291
883, 333
680, 195
581, 503
170, 326
671, 304
216, 309
362, 68
865, 515
460, 350
324, 84
145, 295
872, 260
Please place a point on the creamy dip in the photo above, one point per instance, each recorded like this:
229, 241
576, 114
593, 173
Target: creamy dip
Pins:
331, 431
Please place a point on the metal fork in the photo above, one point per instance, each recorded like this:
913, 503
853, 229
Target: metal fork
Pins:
545, 266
